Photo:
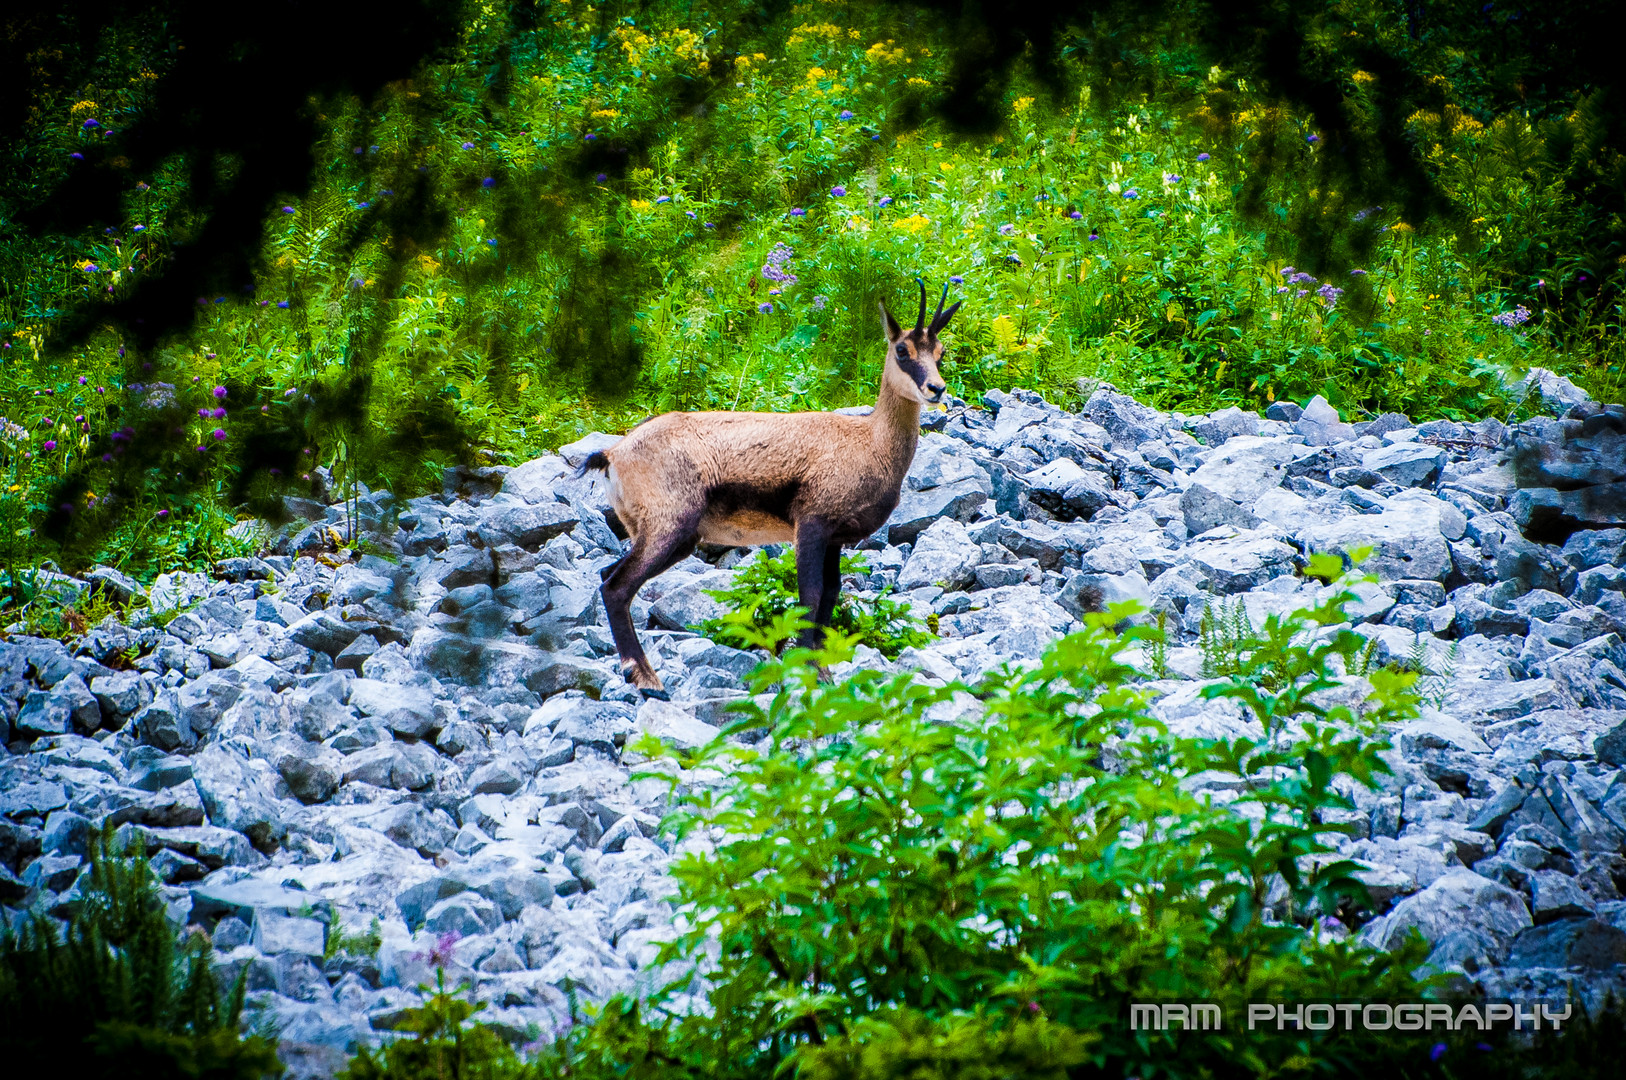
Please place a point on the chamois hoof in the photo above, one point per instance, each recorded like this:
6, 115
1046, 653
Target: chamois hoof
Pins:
641, 677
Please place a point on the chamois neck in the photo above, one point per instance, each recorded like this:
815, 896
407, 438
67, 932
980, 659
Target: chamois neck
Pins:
895, 422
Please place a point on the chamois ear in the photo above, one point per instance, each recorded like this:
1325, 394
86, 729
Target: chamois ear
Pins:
889, 325
943, 319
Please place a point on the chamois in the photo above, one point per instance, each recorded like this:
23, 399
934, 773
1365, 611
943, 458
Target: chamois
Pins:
818, 479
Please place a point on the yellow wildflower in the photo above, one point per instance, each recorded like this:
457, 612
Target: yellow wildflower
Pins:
883, 52
916, 80
1364, 78
914, 224
640, 204
605, 114
1021, 105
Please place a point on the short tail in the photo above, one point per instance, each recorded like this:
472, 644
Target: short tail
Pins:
596, 461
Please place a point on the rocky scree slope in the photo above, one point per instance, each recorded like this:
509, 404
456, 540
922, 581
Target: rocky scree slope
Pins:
436, 739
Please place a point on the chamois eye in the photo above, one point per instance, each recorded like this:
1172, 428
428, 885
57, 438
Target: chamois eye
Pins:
903, 352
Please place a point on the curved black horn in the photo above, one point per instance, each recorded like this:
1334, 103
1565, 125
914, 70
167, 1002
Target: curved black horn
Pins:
920, 321
938, 314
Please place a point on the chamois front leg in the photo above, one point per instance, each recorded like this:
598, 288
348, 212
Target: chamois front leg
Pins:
818, 578
652, 553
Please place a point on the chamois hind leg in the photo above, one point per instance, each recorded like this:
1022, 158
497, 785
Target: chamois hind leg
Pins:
653, 551
816, 582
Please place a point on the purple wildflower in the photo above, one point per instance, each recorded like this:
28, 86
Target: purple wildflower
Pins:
765, 308
845, 114
773, 269
838, 191
442, 951
1280, 289
589, 136
203, 414
282, 304
886, 200
138, 228
1131, 193
1312, 139
88, 124
1171, 178
663, 198
217, 413
163, 513
76, 156
1437, 1052
1074, 214
819, 301
219, 433
287, 209
83, 380
1330, 293
91, 268
489, 182
602, 177
1095, 236
689, 213
1357, 273
956, 279
1301, 294
797, 211
50, 444
468, 146
1517, 317
220, 393
1007, 229
1202, 157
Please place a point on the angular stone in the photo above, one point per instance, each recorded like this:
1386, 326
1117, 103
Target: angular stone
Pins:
1405, 539
355, 654
502, 776
673, 724
1585, 943
1460, 900
1243, 562
323, 632
1555, 895
599, 725
275, 933
917, 510
1246, 467
311, 771
525, 525
1085, 593
1126, 421
1068, 491
1408, 464
1321, 425
240, 795
689, 605
943, 555
1203, 510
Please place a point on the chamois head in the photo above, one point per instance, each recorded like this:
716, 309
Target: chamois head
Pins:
912, 355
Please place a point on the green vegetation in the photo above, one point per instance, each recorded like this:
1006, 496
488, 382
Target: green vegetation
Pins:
447, 1041
764, 590
571, 217
118, 993
896, 896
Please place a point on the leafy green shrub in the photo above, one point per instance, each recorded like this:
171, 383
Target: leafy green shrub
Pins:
765, 590
118, 994
899, 894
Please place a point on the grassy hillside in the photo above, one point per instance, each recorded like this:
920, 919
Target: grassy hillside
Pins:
573, 217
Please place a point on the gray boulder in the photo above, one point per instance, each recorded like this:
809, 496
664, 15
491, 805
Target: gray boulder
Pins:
943, 555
